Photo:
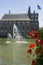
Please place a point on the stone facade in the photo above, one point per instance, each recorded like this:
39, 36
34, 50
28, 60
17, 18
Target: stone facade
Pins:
24, 22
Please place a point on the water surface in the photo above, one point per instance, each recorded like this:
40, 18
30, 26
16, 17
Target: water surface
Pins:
14, 54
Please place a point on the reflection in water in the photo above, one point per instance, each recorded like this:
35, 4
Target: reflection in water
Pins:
14, 54
6, 54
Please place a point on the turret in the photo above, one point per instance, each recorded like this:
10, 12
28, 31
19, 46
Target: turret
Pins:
29, 12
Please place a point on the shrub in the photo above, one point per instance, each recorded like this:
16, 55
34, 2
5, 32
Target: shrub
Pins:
37, 47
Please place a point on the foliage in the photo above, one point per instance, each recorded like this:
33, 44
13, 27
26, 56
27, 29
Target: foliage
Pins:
41, 32
37, 47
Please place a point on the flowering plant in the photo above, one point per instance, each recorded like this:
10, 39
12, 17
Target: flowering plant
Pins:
36, 49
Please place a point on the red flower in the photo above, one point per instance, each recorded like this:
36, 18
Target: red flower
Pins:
31, 33
36, 52
29, 51
39, 42
36, 35
32, 45
33, 62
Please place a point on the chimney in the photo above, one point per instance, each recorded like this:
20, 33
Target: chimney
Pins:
34, 12
9, 12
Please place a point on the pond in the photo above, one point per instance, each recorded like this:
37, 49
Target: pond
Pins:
14, 53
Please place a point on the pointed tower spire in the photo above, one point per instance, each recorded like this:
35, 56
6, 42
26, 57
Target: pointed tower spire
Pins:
29, 12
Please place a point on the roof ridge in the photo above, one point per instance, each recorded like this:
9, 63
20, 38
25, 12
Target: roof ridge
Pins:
17, 14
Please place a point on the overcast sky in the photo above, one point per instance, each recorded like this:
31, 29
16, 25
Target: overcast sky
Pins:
21, 6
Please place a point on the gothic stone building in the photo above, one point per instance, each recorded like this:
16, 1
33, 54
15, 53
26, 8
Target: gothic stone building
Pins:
24, 22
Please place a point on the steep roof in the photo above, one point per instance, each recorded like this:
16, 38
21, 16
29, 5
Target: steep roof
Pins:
16, 16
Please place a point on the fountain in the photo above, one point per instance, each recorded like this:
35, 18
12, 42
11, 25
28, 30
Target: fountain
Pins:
17, 38
9, 38
16, 34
